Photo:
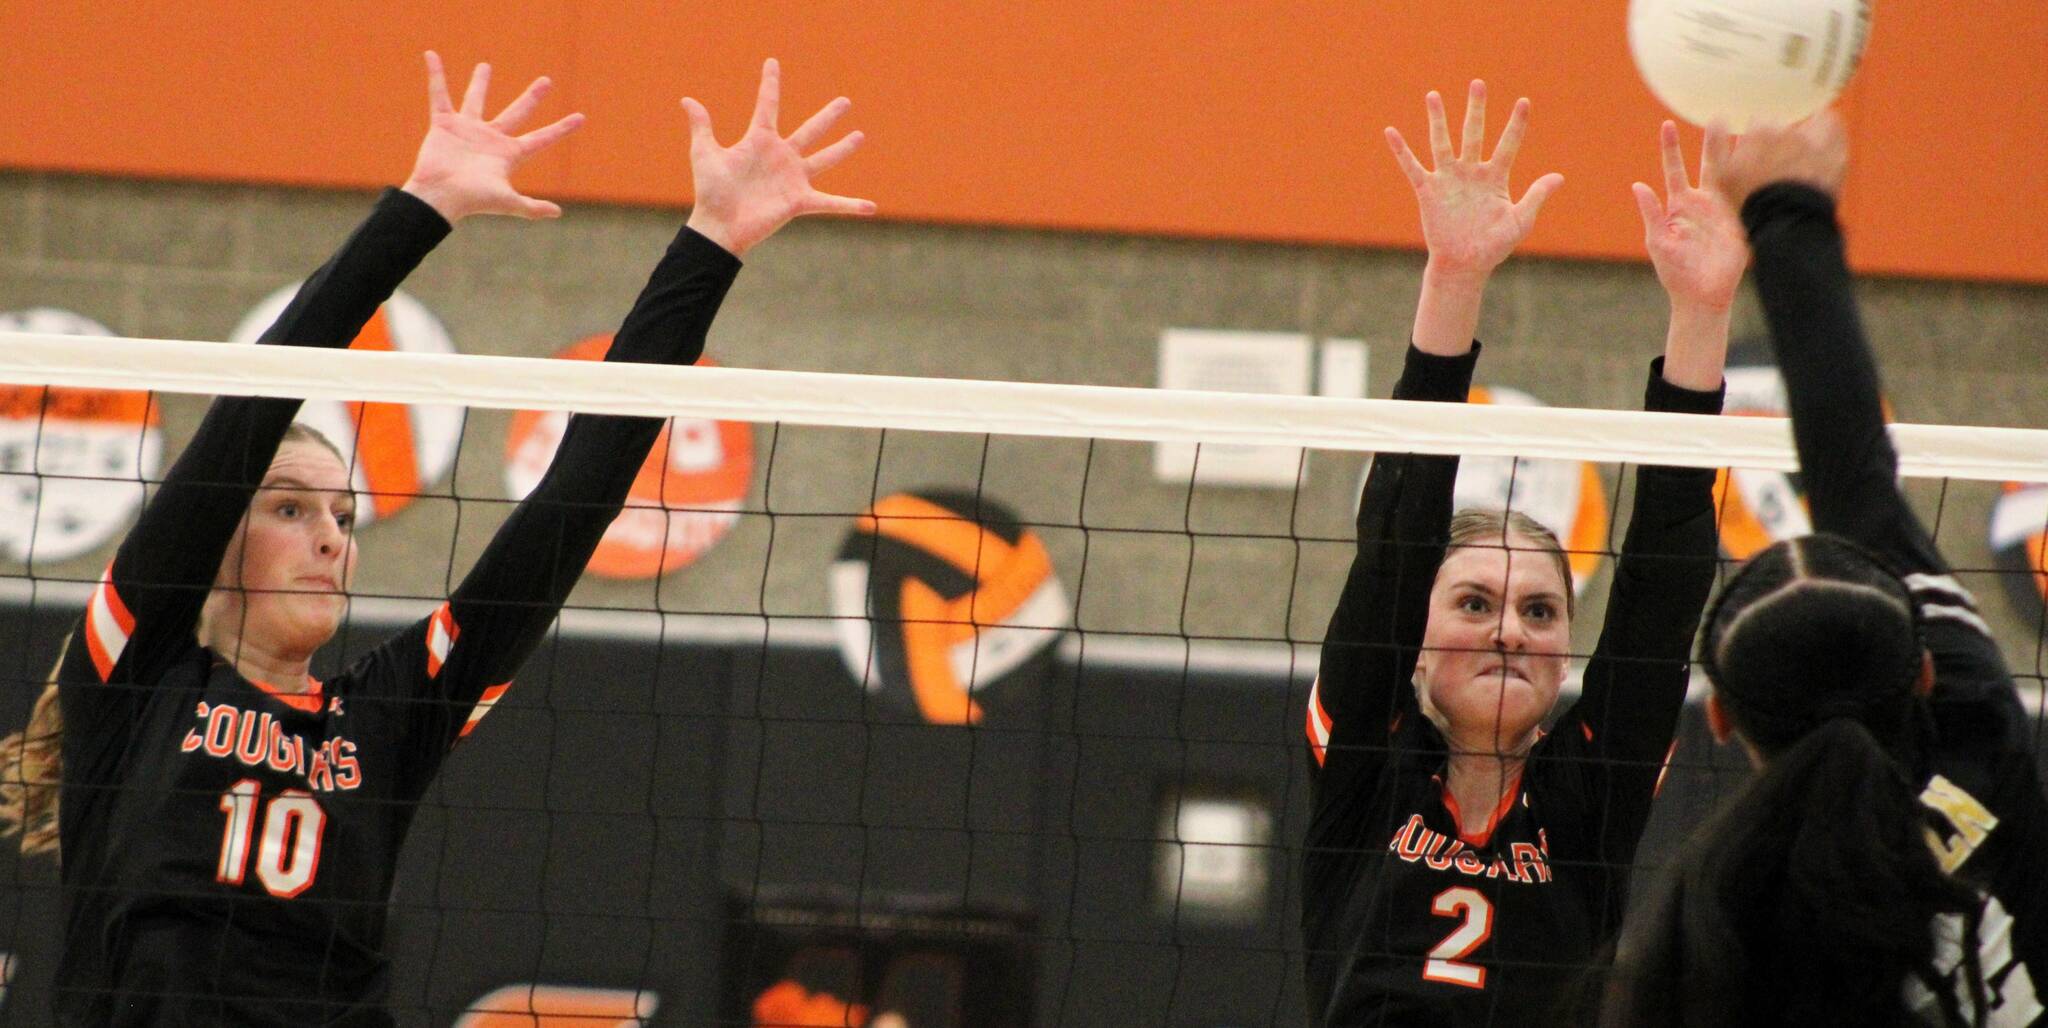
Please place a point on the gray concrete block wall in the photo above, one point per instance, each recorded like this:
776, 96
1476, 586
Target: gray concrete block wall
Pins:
188, 261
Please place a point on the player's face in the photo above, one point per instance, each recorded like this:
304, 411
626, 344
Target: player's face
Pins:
292, 560
1498, 639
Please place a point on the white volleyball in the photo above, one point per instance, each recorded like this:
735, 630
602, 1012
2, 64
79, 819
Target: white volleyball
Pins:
1742, 60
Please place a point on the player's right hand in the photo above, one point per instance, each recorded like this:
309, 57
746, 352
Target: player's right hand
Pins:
465, 164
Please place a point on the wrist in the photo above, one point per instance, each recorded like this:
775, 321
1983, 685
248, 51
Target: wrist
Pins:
444, 203
1698, 308
716, 230
1696, 347
1447, 313
1451, 278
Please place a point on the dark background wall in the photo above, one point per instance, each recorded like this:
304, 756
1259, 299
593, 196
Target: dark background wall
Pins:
625, 811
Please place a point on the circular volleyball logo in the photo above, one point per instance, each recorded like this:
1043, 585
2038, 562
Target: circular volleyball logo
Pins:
1756, 507
2019, 541
72, 461
393, 451
684, 500
936, 596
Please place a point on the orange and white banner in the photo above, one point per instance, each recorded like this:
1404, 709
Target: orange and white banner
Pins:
72, 461
685, 499
2019, 539
394, 452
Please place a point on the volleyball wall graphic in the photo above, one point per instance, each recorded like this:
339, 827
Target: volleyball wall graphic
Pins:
72, 461
686, 498
1757, 507
932, 607
394, 451
1564, 496
2019, 542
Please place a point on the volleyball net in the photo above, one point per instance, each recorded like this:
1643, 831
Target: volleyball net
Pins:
890, 701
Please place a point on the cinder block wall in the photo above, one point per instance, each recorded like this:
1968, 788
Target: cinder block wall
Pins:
188, 261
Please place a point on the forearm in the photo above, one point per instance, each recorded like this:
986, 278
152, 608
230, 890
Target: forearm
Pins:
1849, 469
672, 317
184, 531
1666, 565
1696, 346
1447, 312
1636, 680
1673, 513
526, 573
1403, 518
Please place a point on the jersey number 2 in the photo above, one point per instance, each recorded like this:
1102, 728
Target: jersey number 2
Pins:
288, 850
1446, 962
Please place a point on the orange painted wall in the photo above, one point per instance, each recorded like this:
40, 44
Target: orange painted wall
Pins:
1202, 118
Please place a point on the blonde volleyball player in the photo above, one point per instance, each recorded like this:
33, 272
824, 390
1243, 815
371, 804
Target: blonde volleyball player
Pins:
1461, 864
229, 824
1884, 866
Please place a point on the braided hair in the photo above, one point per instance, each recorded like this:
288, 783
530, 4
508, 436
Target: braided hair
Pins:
1810, 897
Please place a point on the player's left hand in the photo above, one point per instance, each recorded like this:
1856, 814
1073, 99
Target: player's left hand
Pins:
748, 190
1695, 239
465, 164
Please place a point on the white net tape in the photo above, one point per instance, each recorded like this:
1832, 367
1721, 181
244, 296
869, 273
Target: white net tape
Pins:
1011, 408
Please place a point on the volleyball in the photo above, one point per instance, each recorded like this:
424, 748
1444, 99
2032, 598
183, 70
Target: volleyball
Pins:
1744, 60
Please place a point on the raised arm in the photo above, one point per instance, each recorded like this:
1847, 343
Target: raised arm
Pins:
745, 192
1785, 179
162, 571
1635, 683
1471, 224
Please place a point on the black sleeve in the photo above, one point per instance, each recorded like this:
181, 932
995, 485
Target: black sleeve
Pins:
1845, 455
1362, 690
493, 621
1635, 683
152, 593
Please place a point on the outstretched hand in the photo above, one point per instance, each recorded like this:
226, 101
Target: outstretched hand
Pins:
1695, 239
748, 190
1814, 151
465, 164
1469, 219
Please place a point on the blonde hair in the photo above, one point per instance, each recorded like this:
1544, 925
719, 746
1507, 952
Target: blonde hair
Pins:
1479, 527
32, 771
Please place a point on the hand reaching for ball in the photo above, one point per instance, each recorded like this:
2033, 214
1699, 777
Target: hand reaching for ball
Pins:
1814, 152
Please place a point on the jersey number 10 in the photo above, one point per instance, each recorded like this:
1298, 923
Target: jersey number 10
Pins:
287, 853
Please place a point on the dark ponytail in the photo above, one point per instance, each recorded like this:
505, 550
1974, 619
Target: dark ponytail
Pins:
1810, 898
1807, 900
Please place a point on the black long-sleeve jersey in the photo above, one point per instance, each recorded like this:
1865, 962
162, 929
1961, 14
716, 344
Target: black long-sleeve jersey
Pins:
1407, 920
1980, 774
228, 848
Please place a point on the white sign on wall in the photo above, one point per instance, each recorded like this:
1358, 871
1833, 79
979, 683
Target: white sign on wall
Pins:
1279, 363
1215, 854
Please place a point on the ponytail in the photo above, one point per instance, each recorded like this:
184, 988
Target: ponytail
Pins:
32, 771
1808, 899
